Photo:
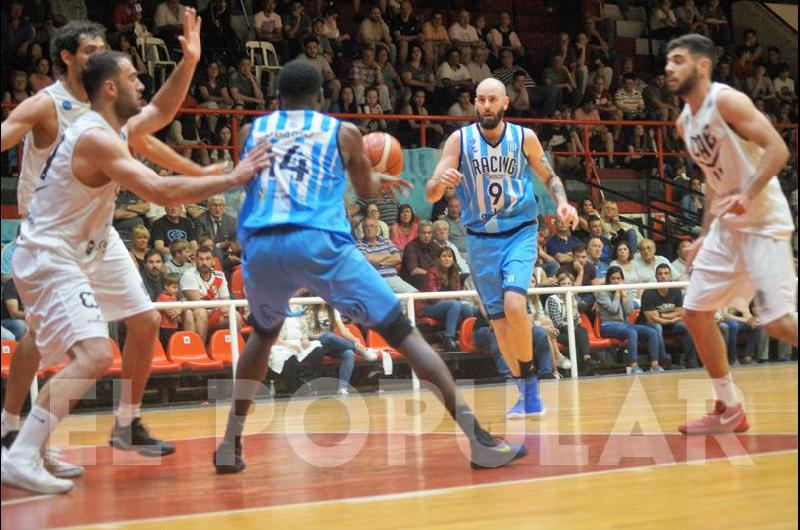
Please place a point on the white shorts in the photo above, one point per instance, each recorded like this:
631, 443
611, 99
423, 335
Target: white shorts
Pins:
67, 301
734, 266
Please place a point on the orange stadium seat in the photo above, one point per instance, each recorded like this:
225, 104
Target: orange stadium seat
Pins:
160, 364
465, 335
221, 346
187, 349
116, 367
237, 283
376, 341
7, 348
595, 341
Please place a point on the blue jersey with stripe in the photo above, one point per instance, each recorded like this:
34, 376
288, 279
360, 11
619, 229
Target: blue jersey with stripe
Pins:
305, 183
496, 194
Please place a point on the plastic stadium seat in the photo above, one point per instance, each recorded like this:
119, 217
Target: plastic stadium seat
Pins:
187, 349
116, 366
356, 333
376, 341
429, 323
465, 335
595, 341
7, 348
237, 283
221, 346
160, 364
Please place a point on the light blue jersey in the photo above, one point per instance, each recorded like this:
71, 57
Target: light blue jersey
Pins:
496, 195
305, 184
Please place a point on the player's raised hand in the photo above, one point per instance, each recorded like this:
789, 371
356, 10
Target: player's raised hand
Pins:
258, 159
568, 215
190, 40
451, 177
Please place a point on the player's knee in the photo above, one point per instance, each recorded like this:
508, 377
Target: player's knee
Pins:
515, 307
94, 355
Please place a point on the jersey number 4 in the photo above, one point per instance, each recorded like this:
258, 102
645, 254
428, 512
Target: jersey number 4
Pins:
292, 162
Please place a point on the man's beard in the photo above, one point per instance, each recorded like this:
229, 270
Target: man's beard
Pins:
490, 123
126, 108
204, 269
688, 85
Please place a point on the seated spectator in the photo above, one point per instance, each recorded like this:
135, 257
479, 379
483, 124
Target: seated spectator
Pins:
202, 282
18, 35
220, 40
409, 130
541, 320
168, 24
690, 20
366, 73
405, 229
387, 204
419, 256
463, 106
648, 261
390, 76
632, 271
232, 258
439, 210
642, 150
595, 249
603, 102
435, 39
663, 22
126, 14
742, 68
41, 75
663, 310
331, 29
244, 89
718, 27
326, 49
508, 69
384, 256
660, 104
140, 244
760, 87
406, 30
153, 273
556, 309
458, 234
12, 311
296, 26
561, 140
171, 319
63, 12
128, 213
617, 229
544, 260
739, 319
451, 77
583, 274
679, 271
444, 275
597, 229
692, 202
784, 85
559, 77
629, 99
18, 90
180, 251
185, 131
294, 356
600, 138
371, 107
478, 69
416, 73
586, 211
441, 235
519, 102
268, 27
751, 43
502, 36
212, 93
216, 223
614, 309
773, 62
463, 35
126, 43
234, 197
374, 213
561, 243
600, 45
172, 227
373, 31
347, 102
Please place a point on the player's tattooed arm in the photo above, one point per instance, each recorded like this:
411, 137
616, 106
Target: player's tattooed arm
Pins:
556, 187
538, 162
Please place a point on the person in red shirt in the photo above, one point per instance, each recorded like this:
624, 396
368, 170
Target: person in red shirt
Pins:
445, 276
170, 318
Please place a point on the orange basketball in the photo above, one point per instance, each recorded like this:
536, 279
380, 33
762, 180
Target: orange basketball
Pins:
384, 153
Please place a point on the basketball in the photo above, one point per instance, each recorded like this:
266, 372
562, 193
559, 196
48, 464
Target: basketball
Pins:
384, 153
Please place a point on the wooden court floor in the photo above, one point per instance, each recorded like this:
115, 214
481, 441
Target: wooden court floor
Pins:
607, 455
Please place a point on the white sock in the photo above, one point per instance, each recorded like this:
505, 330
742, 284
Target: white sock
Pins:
35, 431
9, 422
725, 390
126, 413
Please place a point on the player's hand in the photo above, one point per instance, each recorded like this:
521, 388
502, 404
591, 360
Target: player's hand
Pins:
258, 159
213, 169
451, 177
567, 214
737, 204
190, 40
693, 250
392, 184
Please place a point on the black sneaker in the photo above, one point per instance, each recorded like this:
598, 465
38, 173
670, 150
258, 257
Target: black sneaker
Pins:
228, 457
8, 439
498, 453
135, 437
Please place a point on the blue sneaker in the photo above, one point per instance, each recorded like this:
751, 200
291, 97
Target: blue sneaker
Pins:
534, 408
517, 411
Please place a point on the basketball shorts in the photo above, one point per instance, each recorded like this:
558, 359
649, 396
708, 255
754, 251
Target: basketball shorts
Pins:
502, 263
734, 266
67, 301
277, 262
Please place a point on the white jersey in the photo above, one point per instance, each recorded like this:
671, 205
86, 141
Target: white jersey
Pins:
729, 163
66, 216
68, 109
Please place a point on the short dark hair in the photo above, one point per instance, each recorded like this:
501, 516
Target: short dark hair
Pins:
629, 75
69, 36
310, 38
298, 82
579, 247
153, 252
171, 278
663, 266
696, 44
205, 249
101, 67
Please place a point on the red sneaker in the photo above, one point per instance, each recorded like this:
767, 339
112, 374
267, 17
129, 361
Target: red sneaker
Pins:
721, 420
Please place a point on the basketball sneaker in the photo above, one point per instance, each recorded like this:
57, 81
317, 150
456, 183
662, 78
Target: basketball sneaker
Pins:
135, 437
493, 452
27, 472
530, 404
721, 420
51, 457
228, 457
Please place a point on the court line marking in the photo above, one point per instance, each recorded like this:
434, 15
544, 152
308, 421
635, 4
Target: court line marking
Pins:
411, 494
22, 500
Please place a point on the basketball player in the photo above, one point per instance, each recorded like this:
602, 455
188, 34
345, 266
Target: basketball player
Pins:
484, 161
293, 229
744, 249
41, 121
72, 270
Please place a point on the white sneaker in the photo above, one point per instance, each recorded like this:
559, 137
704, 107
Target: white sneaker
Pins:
343, 392
59, 468
28, 473
369, 354
563, 363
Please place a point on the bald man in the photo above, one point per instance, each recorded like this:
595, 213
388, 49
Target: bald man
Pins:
499, 211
